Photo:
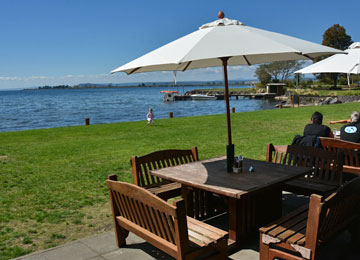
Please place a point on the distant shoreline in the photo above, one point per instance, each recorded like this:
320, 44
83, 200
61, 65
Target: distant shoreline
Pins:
147, 85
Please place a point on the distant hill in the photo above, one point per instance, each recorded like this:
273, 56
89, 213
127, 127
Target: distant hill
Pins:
151, 84
167, 83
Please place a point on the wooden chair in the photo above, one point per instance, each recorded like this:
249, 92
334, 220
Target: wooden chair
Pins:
165, 226
142, 165
351, 153
299, 234
326, 176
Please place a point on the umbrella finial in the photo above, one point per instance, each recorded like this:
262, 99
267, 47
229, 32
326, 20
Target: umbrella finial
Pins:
221, 15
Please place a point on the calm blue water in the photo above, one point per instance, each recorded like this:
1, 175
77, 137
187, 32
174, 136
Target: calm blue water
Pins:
21, 110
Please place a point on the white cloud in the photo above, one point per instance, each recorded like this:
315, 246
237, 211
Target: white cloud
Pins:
24, 78
9, 78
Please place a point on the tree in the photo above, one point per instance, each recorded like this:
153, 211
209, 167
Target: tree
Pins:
334, 37
261, 73
277, 71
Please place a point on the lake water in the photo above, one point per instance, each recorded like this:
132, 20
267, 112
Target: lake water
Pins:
34, 109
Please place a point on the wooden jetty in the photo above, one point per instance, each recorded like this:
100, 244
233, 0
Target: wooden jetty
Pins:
231, 95
254, 95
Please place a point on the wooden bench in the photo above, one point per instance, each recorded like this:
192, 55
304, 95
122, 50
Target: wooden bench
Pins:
351, 153
163, 225
299, 234
327, 167
141, 167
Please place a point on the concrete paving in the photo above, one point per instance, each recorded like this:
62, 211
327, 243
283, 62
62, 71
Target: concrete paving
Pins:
103, 247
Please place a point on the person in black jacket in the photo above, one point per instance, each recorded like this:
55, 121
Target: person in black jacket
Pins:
351, 132
316, 128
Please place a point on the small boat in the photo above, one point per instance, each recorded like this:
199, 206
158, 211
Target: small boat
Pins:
169, 95
202, 97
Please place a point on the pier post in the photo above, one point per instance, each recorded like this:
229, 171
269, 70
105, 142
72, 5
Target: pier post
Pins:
233, 109
170, 114
87, 121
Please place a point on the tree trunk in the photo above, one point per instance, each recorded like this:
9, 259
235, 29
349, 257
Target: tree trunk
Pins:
334, 78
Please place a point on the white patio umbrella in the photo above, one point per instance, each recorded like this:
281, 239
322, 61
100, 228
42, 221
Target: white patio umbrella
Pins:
339, 63
222, 43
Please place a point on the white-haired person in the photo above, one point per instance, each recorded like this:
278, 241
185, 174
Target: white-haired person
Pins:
351, 131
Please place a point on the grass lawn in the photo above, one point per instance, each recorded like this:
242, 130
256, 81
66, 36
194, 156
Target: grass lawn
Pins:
53, 180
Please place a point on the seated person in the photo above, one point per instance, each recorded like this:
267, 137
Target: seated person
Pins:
316, 128
351, 132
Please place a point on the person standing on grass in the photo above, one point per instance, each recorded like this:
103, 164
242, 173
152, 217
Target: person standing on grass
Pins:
316, 128
150, 117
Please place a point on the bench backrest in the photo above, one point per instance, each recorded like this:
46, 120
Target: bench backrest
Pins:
351, 150
149, 217
327, 166
142, 165
328, 216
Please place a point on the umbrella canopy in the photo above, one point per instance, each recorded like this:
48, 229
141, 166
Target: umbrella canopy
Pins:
244, 45
338, 63
221, 43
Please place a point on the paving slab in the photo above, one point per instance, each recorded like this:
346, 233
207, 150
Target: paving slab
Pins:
72, 251
101, 244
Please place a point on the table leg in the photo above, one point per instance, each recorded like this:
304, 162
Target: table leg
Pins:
234, 222
251, 211
268, 206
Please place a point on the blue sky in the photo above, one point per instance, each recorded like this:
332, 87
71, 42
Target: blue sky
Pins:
76, 41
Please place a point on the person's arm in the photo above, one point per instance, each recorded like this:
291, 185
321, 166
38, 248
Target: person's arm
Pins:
340, 121
331, 135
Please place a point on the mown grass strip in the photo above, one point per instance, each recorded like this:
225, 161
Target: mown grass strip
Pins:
53, 180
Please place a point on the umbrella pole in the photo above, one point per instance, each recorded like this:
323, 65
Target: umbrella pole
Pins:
230, 147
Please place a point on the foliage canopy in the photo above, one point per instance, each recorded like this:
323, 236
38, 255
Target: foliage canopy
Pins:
278, 71
335, 37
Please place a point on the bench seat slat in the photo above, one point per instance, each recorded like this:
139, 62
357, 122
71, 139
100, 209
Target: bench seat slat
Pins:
301, 226
206, 229
290, 224
298, 238
284, 219
203, 234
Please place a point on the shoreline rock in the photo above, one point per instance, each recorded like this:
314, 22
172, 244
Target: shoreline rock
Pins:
286, 100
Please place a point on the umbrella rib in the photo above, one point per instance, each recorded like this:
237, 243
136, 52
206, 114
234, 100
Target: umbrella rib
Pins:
131, 72
187, 65
247, 61
305, 55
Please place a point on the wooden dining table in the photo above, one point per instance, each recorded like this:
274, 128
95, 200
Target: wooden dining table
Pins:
254, 198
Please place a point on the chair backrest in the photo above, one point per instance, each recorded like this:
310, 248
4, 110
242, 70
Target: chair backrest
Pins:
351, 150
327, 165
148, 216
327, 216
142, 165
